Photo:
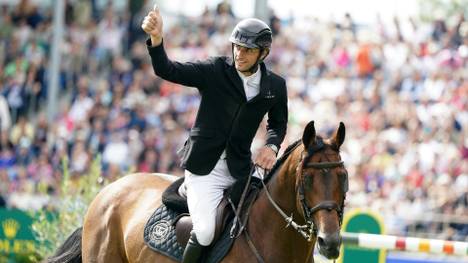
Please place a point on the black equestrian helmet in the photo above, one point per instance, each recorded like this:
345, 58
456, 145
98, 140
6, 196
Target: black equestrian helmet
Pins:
252, 33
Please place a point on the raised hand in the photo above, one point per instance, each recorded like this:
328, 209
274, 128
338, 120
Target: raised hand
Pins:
152, 25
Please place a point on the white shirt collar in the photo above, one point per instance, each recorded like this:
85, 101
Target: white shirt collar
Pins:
254, 78
251, 84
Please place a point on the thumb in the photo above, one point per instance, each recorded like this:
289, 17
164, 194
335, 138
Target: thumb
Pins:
156, 9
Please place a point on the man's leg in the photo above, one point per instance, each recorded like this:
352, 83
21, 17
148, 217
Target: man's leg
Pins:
203, 196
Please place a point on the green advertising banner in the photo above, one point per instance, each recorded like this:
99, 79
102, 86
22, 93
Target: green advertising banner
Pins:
362, 221
16, 237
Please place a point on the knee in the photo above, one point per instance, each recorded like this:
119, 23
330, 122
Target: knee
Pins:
205, 233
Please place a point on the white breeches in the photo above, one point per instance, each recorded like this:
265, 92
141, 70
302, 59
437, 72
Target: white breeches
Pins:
204, 193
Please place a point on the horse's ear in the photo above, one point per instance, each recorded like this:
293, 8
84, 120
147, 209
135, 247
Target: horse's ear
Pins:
309, 134
339, 136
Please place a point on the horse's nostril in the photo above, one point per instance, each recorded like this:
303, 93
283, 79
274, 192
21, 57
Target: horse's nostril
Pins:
321, 241
329, 241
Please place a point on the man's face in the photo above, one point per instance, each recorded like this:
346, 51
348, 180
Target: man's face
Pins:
244, 57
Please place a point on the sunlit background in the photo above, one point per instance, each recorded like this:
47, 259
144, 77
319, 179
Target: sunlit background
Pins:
81, 88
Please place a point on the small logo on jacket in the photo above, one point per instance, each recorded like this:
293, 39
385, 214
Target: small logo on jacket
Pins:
269, 95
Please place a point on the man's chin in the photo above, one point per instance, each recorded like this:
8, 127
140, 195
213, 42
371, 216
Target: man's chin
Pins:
241, 69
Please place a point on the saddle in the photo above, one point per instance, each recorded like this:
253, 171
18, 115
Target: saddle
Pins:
168, 229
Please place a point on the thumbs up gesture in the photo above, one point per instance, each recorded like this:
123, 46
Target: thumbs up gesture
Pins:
152, 25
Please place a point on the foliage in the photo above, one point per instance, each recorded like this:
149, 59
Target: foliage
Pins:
54, 224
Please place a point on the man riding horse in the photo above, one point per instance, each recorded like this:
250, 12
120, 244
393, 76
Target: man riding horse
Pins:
236, 94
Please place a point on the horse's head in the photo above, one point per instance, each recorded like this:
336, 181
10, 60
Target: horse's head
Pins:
321, 185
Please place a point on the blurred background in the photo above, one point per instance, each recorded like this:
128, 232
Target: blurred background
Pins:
82, 86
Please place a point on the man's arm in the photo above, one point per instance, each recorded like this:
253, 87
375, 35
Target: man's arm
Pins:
278, 119
188, 74
276, 131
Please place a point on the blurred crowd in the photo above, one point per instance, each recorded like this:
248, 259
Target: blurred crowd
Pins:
401, 88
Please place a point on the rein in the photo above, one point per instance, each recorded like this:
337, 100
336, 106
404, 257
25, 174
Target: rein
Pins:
302, 229
309, 229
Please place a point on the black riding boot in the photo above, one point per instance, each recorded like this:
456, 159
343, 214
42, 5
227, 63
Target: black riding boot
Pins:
193, 250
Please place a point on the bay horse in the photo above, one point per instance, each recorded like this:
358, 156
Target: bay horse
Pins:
301, 204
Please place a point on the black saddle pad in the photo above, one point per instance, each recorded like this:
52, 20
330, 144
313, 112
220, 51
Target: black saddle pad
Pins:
160, 236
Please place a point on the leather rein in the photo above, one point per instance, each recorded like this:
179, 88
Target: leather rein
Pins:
309, 229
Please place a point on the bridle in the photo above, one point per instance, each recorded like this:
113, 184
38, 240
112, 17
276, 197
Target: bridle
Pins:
309, 229
329, 205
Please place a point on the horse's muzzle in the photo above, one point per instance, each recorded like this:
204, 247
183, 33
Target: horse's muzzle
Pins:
329, 244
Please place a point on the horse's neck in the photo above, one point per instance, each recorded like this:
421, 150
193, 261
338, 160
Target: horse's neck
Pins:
267, 227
